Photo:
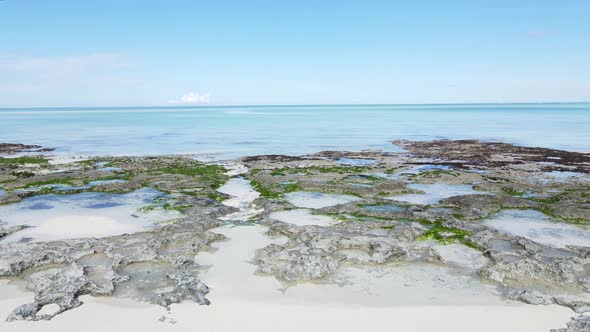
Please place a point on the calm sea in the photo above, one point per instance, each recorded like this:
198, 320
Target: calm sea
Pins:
228, 132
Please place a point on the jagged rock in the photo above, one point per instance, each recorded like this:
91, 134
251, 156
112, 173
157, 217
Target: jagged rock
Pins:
577, 324
158, 265
11, 148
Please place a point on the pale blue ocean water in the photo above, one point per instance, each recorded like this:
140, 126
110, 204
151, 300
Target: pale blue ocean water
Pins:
228, 132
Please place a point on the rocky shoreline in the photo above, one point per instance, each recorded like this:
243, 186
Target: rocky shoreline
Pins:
333, 208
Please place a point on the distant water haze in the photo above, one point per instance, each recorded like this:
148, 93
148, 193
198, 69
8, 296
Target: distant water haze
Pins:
229, 132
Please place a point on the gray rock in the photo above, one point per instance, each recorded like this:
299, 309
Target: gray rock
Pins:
577, 324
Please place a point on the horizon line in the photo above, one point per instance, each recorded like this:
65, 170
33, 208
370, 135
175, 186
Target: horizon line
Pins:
293, 105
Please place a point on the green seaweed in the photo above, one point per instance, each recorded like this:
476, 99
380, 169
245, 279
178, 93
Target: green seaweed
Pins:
213, 173
391, 170
22, 174
320, 169
433, 173
278, 172
443, 234
265, 191
24, 160
546, 200
48, 182
511, 191
179, 208
290, 187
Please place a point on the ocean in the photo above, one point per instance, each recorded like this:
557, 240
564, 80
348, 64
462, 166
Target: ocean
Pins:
215, 133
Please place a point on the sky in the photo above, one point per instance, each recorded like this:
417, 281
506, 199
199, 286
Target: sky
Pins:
57, 53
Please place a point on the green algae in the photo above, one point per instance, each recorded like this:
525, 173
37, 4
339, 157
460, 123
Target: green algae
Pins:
48, 182
24, 160
290, 187
512, 192
265, 191
443, 234
435, 173
209, 173
172, 207
392, 170
546, 200
22, 174
320, 169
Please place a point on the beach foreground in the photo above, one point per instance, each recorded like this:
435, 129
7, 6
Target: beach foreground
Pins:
100, 314
445, 235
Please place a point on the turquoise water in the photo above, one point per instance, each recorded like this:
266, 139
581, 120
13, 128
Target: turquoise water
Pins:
227, 132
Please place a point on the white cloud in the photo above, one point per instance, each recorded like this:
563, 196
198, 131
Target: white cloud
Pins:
193, 98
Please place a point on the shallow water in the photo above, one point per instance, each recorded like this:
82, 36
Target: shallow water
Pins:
537, 227
423, 168
384, 208
228, 132
302, 217
433, 193
356, 162
564, 176
59, 217
316, 200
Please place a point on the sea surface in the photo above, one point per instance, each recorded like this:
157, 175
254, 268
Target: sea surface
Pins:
229, 132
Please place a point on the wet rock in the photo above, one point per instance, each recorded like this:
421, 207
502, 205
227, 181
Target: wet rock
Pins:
495, 153
158, 266
294, 265
106, 266
61, 288
7, 230
272, 158
314, 252
577, 324
482, 205
530, 297
11, 148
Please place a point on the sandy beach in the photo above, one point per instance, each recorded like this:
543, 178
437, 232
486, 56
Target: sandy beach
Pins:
249, 302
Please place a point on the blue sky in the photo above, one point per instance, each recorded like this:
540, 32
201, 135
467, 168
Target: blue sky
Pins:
127, 53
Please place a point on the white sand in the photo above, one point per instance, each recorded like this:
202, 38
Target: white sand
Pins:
108, 314
234, 169
302, 217
418, 298
243, 196
241, 190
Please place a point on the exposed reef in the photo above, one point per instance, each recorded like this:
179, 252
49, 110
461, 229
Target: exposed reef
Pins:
12, 148
438, 202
